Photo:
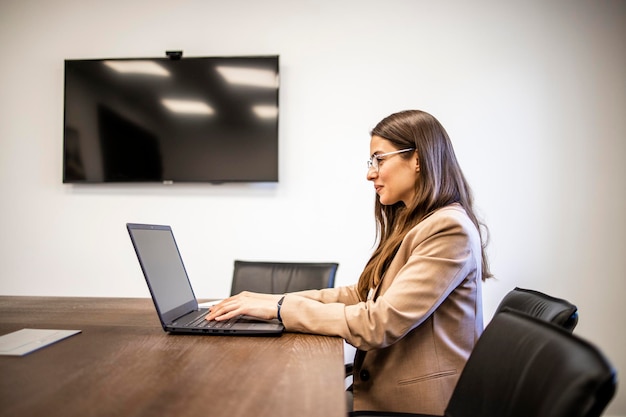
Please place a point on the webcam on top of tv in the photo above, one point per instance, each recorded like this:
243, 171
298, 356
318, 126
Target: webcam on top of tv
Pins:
174, 55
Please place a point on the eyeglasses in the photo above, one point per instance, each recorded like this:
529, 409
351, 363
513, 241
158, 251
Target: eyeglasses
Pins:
374, 161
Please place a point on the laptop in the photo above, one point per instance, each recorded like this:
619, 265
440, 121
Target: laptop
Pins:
173, 297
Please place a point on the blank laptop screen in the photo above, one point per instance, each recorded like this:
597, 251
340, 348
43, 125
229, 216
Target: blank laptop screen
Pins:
163, 268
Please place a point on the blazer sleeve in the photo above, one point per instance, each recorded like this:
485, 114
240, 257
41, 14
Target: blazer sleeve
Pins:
435, 257
345, 295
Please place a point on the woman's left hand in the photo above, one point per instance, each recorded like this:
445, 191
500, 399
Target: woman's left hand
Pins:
263, 306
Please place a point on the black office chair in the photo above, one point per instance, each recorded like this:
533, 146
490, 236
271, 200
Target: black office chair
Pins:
523, 366
542, 306
282, 277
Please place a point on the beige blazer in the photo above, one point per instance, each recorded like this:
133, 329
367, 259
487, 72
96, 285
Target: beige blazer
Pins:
416, 332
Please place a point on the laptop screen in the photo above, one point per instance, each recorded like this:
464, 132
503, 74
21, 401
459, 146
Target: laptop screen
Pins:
162, 267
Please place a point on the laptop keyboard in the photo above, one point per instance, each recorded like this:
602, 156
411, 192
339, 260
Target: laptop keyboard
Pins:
213, 324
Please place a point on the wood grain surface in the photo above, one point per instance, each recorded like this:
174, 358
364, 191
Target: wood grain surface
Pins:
124, 364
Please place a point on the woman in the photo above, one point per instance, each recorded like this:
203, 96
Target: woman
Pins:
416, 311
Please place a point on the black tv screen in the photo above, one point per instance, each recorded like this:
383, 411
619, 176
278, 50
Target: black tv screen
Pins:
197, 119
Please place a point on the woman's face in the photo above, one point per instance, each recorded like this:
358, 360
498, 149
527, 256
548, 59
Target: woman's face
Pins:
396, 176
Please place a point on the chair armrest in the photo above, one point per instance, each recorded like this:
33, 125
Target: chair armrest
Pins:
349, 367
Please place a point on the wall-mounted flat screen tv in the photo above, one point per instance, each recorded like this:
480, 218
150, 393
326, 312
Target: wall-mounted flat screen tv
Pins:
196, 119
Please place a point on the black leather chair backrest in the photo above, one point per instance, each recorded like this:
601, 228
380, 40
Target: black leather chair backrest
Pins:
523, 366
542, 306
282, 277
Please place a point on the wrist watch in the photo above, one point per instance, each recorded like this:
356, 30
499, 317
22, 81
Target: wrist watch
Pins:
278, 306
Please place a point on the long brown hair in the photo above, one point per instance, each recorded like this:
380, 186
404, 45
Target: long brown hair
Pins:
440, 183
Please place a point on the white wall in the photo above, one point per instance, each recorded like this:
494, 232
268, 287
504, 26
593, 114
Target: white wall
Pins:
533, 95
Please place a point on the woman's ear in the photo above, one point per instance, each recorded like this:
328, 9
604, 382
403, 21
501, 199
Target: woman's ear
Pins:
417, 163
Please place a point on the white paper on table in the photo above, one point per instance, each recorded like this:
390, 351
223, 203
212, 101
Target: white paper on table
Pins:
24, 341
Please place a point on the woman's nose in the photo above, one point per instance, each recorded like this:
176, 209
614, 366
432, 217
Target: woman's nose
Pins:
371, 173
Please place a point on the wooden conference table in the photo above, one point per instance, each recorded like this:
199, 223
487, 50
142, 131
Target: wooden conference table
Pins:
124, 364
